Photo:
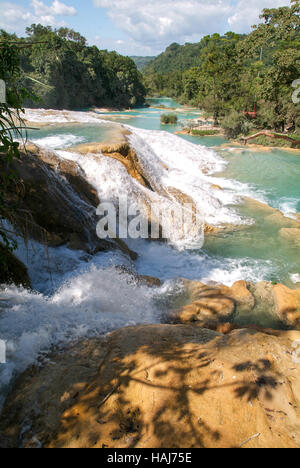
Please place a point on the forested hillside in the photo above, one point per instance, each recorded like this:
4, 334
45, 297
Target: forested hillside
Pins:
180, 57
65, 73
141, 62
243, 81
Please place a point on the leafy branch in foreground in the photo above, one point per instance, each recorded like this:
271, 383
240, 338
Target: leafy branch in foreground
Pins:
12, 129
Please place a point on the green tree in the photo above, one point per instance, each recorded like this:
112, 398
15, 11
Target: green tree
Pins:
78, 76
11, 128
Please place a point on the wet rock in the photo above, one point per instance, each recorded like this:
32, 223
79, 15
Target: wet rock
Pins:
287, 305
214, 304
12, 270
122, 152
216, 187
218, 307
149, 281
53, 203
45, 206
144, 280
161, 386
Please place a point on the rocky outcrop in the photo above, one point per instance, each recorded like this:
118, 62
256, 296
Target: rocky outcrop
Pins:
12, 270
45, 206
122, 152
276, 217
52, 202
215, 304
262, 305
161, 386
287, 305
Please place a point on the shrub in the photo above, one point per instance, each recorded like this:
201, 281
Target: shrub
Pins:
169, 119
204, 132
235, 124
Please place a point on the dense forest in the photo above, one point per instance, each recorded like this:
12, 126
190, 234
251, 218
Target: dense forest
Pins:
244, 81
65, 73
141, 62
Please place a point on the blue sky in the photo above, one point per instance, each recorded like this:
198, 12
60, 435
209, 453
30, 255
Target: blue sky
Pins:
136, 27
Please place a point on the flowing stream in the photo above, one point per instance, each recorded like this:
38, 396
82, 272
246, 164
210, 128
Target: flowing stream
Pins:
76, 296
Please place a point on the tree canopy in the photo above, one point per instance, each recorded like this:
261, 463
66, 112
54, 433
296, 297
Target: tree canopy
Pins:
235, 77
67, 74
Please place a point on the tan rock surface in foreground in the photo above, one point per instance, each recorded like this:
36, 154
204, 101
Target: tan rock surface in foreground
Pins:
287, 302
214, 304
169, 386
262, 304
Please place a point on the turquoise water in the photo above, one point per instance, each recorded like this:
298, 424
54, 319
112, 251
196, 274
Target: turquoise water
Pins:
272, 177
87, 133
276, 174
149, 117
258, 249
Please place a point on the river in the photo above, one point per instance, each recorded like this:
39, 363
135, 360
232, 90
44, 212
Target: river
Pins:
79, 298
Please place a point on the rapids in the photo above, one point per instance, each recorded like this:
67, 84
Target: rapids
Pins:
76, 295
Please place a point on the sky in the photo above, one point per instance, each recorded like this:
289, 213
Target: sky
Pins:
136, 27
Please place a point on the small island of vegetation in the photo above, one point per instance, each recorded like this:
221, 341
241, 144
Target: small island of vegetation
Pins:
169, 119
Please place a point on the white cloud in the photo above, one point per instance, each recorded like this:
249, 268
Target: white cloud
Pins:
157, 23
247, 13
56, 9
14, 18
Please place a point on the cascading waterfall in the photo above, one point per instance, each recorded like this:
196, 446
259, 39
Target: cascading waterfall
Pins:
87, 295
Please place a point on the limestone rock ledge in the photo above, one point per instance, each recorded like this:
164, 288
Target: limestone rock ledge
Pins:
52, 203
224, 308
161, 386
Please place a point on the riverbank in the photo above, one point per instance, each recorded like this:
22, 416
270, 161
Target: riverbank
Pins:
261, 140
257, 148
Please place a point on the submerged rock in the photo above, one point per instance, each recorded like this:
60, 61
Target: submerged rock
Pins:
291, 235
161, 386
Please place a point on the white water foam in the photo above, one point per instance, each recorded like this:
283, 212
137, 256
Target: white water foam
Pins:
289, 207
295, 278
59, 141
175, 162
92, 302
63, 116
167, 263
168, 162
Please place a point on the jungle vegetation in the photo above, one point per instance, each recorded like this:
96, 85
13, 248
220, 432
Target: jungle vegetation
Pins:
243, 81
60, 68
169, 119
